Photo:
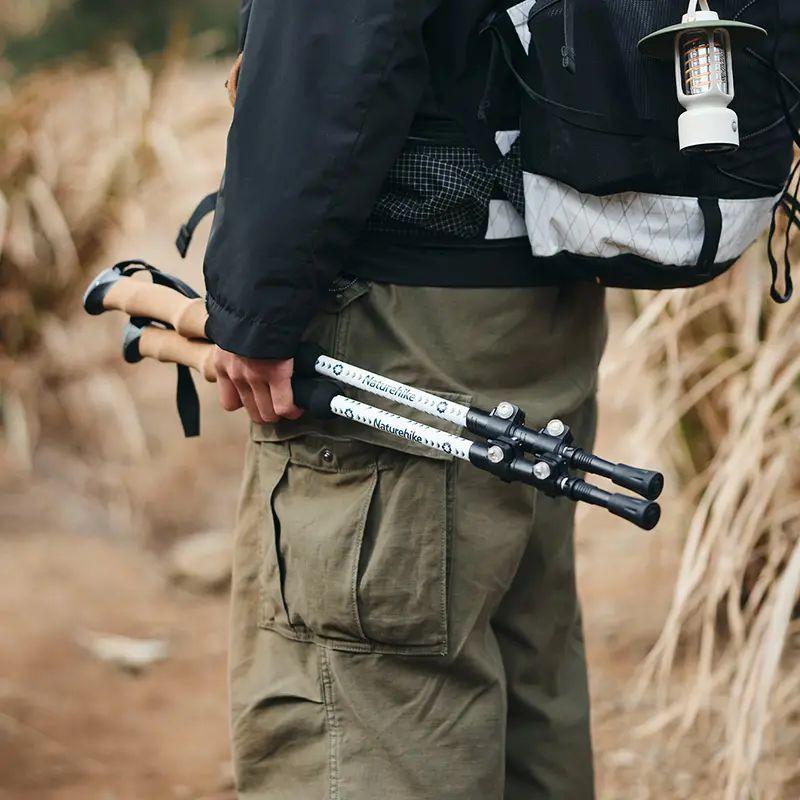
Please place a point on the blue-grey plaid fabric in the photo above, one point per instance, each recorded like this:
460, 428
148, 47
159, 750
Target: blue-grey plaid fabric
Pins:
445, 189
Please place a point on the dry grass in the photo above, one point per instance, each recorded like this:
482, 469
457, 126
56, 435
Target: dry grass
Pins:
25, 18
73, 145
76, 147
722, 397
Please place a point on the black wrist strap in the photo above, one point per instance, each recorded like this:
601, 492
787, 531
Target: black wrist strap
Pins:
128, 268
188, 402
186, 399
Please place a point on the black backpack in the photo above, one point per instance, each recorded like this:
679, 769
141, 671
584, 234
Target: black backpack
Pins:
609, 195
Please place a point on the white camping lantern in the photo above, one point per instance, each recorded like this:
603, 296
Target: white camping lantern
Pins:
702, 47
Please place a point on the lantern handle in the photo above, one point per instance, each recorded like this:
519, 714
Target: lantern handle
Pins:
693, 7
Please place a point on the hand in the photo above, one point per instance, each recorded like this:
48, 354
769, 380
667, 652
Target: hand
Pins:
262, 386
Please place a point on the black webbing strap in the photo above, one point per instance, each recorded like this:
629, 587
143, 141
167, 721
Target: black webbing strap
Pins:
186, 399
187, 402
128, 268
461, 106
185, 235
712, 220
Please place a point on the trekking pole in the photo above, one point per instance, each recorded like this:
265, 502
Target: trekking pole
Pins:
323, 399
166, 299
169, 347
177, 304
505, 422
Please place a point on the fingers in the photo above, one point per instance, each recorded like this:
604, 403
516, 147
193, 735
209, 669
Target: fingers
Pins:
228, 395
248, 399
263, 387
263, 401
283, 399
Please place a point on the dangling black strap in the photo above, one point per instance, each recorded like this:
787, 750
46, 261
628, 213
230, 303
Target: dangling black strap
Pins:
791, 206
788, 201
186, 397
478, 134
568, 48
712, 220
187, 402
773, 264
185, 235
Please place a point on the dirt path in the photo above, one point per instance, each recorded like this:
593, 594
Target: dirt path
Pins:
73, 727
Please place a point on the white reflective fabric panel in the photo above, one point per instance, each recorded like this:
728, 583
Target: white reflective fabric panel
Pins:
519, 18
660, 228
505, 222
743, 221
505, 140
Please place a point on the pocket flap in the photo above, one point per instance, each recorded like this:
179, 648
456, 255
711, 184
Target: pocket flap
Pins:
355, 539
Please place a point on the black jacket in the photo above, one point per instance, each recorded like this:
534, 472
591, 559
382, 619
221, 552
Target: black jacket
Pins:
327, 96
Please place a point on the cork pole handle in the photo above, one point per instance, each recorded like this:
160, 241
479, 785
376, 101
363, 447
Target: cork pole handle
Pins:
171, 348
144, 299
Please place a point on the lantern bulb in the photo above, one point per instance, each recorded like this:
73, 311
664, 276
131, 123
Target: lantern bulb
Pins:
701, 46
704, 73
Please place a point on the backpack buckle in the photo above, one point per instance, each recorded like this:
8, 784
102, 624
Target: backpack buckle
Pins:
184, 240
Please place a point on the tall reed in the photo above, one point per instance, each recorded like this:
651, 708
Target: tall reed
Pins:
721, 399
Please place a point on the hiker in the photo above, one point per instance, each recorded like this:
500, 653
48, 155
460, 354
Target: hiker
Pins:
404, 626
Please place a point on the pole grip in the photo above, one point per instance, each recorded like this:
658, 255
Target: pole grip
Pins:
312, 394
152, 301
315, 395
170, 347
305, 360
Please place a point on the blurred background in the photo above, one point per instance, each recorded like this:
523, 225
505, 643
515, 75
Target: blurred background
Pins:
115, 531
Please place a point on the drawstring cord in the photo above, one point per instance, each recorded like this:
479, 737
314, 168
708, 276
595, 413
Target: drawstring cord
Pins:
791, 206
568, 48
789, 201
495, 60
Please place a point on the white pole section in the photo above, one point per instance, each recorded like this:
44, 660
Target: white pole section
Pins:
401, 427
392, 390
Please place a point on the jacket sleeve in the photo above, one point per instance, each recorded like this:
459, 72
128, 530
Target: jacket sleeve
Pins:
244, 18
327, 94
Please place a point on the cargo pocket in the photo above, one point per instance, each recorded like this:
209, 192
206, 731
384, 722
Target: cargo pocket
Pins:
354, 545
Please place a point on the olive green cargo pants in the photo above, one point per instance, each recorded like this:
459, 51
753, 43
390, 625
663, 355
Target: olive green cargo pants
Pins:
405, 626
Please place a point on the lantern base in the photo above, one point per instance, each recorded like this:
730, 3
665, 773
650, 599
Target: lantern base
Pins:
709, 129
